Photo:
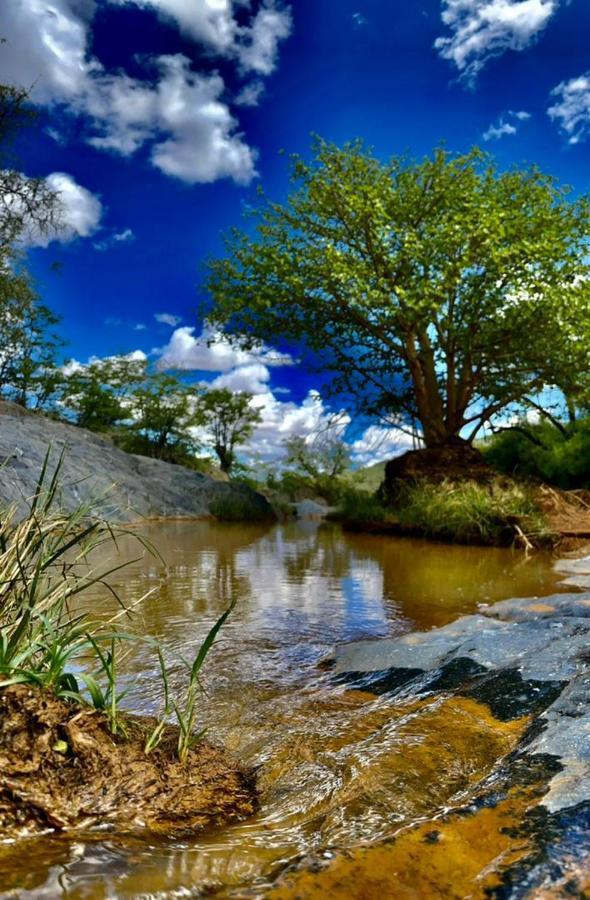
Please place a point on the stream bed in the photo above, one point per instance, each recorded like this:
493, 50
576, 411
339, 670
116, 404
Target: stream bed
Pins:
338, 768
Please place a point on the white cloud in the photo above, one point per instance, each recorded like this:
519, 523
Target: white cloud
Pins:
200, 141
482, 29
377, 444
571, 109
167, 319
80, 212
182, 115
214, 23
250, 94
252, 378
282, 420
507, 124
207, 21
257, 47
211, 351
46, 46
116, 237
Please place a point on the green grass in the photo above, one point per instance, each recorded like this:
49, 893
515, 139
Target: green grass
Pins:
370, 478
46, 563
460, 512
467, 512
359, 507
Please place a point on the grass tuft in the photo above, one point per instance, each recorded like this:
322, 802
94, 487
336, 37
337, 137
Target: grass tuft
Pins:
467, 512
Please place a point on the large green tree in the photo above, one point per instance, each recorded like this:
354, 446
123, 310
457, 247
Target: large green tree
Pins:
437, 292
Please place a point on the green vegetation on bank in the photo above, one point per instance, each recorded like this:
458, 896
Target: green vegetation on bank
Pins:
46, 565
554, 452
496, 514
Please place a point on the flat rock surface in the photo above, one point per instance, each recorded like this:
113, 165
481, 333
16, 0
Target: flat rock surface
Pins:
528, 655
127, 487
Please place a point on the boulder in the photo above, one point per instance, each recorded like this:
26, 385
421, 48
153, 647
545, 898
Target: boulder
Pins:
124, 487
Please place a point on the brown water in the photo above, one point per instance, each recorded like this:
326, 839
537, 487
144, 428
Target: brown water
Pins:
337, 768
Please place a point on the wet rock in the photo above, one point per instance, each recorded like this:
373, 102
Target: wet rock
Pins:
127, 487
521, 657
310, 509
577, 571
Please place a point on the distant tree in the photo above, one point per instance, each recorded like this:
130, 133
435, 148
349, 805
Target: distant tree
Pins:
437, 292
29, 346
230, 420
326, 454
99, 395
164, 413
28, 343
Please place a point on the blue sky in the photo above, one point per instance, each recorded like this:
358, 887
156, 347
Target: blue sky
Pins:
159, 119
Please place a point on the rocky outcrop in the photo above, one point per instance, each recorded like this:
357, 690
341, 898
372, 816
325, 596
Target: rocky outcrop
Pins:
528, 661
125, 487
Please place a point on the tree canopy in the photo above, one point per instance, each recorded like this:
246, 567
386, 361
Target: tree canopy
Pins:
230, 420
436, 292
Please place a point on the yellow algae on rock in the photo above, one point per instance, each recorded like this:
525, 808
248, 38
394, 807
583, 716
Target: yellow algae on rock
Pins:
454, 743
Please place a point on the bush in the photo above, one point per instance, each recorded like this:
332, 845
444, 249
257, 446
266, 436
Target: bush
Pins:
241, 507
360, 507
467, 512
558, 459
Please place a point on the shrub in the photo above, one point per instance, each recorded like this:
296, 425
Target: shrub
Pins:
559, 459
241, 507
360, 507
467, 512
45, 563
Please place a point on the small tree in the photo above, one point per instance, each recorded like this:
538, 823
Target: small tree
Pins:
28, 345
325, 455
230, 420
100, 393
164, 413
438, 291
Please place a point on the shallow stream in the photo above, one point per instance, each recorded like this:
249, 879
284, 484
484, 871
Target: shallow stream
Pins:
337, 768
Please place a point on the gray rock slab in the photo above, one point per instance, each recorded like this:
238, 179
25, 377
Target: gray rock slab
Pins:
577, 571
126, 487
566, 735
535, 608
424, 650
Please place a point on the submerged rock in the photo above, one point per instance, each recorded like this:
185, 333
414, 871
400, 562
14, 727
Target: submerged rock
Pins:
62, 769
127, 487
527, 660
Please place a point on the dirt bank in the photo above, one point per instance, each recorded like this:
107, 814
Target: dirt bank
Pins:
62, 769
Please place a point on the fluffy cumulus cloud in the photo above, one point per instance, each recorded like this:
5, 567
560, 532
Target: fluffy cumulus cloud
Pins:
252, 378
507, 124
114, 239
571, 108
182, 115
211, 351
482, 29
378, 443
80, 212
281, 420
258, 45
214, 24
